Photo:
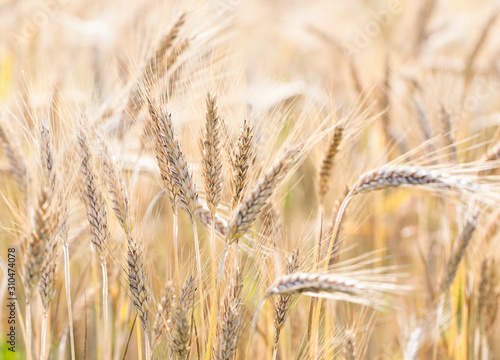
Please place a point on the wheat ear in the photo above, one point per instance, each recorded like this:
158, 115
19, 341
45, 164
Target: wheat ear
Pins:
230, 325
394, 176
138, 287
181, 178
35, 252
489, 295
179, 171
456, 257
153, 67
212, 162
47, 157
17, 162
241, 162
327, 164
116, 188
163, 321
350, 346
181, 328
283, 302
316, 284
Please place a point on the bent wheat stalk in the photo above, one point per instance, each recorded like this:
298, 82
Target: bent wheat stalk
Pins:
385, 178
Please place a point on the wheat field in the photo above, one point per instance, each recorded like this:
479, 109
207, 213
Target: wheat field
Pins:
236, 179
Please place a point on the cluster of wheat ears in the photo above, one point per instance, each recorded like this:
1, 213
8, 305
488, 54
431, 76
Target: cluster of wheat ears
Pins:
275, 243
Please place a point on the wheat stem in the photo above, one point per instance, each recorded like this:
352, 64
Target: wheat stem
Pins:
107, 348
200, 280
67, 285
28, 330
43, 335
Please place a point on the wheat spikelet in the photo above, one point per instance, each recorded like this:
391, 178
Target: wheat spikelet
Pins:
163, 321
179, 172
250, 208
283, 301
138, 281
116, 188
241, 162
212, 162
230, 325
181, 329
37, 243
12, 150
326, 169
394, 176
96, 209
205, 216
